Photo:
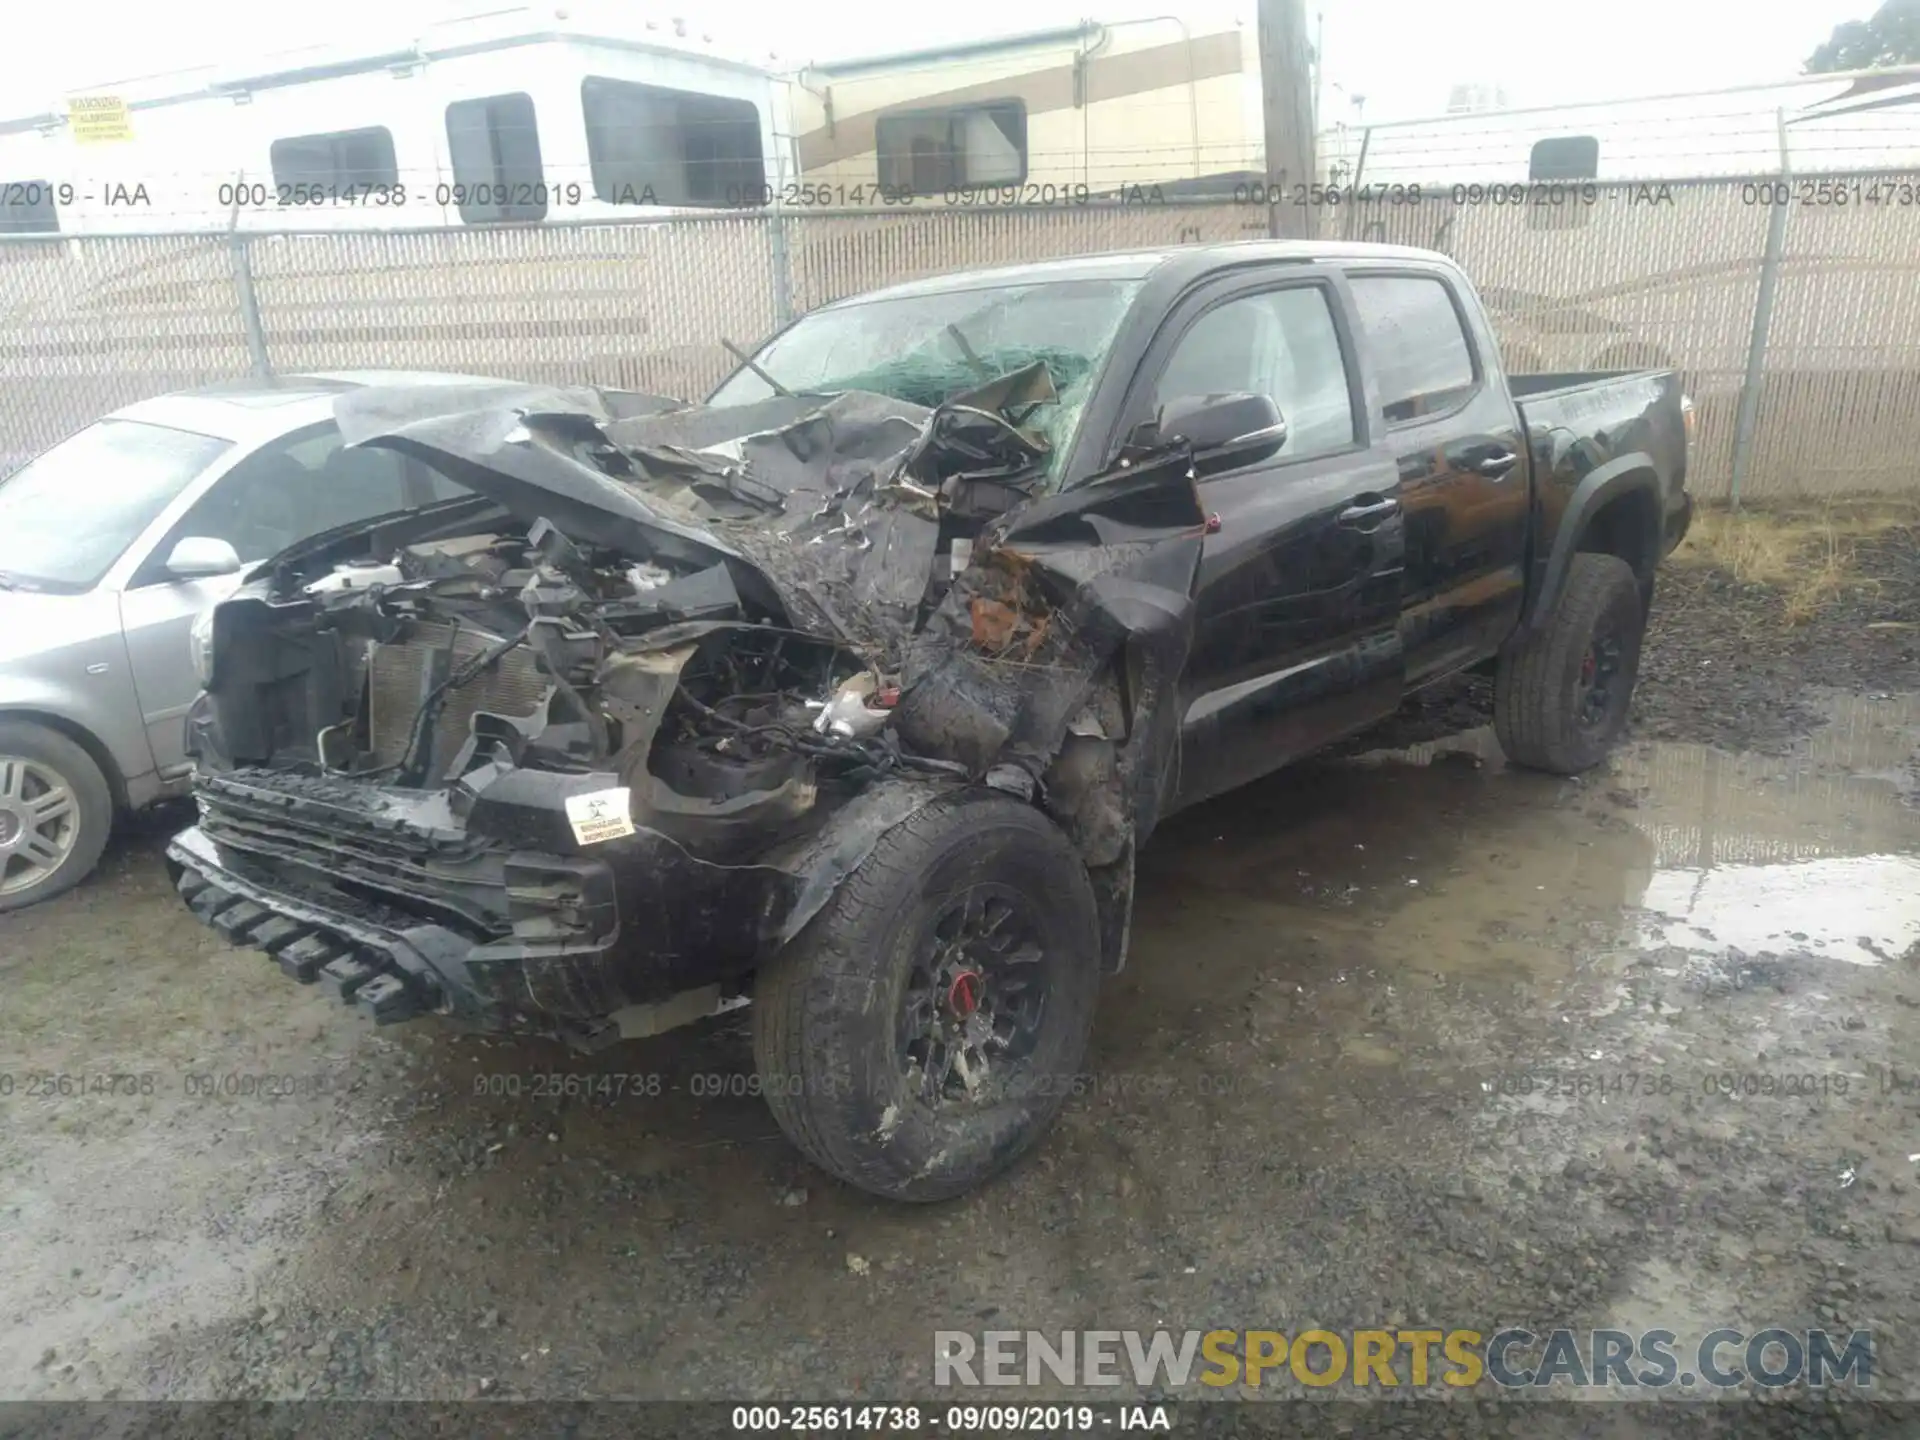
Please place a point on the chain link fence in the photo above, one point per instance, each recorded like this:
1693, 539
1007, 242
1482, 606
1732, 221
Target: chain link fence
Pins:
1796, 325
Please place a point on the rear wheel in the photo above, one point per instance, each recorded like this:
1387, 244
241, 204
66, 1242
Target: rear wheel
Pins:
1561, 696
925, 1028
55, 811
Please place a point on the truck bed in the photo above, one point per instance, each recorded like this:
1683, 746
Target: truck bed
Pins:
1535, 384
1580, 423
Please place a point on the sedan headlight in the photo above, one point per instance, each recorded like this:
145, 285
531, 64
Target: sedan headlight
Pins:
200, 646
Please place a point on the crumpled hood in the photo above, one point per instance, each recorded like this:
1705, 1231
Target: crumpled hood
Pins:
824, 509
521, 446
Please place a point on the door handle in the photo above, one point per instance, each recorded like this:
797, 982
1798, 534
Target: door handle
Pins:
1497, 464
1358, 515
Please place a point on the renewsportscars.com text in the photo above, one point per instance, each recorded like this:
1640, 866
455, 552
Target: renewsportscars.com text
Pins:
1512, 1358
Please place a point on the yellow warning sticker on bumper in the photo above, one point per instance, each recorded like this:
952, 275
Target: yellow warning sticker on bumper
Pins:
600, 815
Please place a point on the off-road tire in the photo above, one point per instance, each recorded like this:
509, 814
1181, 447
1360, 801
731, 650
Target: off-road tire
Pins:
827, 1011
1538, 688
92, 809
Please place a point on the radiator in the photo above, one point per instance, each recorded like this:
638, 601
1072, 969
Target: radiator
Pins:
400, 677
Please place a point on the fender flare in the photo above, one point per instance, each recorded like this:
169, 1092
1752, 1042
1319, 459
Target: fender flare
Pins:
1623, 475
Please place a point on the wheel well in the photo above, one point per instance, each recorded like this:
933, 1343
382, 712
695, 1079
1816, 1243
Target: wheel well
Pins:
1627, 526
86, 740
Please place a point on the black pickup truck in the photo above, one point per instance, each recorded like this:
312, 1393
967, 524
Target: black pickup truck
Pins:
854, 690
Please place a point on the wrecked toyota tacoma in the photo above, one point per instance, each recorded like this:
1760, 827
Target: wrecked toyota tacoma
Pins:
854, 691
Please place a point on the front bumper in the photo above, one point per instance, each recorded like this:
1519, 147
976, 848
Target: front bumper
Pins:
391, 974
394, 963
402, 908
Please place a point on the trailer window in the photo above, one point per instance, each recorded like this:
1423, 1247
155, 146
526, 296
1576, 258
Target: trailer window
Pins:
338, 160
27, 208
1565, 157
495, 147
928, 151
1562, 158
652, 146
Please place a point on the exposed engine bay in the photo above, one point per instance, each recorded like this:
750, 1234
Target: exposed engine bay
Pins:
767, 632
525, 650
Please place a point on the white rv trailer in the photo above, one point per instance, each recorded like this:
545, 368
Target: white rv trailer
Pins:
517, 116
585, 113
1088, 109
1177, 102
538, 114
1862, 121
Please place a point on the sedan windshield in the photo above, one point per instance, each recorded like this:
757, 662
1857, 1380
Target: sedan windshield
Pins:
69, 513
928, 348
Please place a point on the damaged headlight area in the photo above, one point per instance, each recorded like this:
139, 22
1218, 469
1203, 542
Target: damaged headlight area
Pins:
528, 651
616, 726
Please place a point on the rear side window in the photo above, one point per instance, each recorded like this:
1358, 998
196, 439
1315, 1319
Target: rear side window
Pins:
1418, 343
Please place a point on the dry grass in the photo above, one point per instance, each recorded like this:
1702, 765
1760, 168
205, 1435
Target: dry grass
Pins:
1804, 551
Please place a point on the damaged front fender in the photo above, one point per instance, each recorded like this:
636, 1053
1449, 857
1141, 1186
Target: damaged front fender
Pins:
1078, 593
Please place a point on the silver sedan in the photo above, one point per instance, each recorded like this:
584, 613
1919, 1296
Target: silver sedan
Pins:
111, 545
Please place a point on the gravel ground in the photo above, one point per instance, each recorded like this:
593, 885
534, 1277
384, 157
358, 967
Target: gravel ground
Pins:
1722, 667
1367, 1066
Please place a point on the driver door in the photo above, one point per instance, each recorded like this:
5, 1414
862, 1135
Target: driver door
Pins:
285, 491
1297, 617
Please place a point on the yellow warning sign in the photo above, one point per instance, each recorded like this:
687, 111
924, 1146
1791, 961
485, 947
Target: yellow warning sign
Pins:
98, 118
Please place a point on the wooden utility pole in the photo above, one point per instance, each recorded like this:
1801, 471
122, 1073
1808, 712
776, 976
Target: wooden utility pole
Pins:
1286, 93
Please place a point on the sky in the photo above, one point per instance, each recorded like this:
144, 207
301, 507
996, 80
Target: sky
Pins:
1403, 56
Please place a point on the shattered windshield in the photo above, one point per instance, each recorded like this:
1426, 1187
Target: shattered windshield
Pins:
928, 348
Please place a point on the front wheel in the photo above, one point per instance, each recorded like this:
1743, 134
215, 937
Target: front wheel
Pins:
55, 811
1560, 696
925, 1028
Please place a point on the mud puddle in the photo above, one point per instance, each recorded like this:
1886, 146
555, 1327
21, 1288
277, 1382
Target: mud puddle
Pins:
1413, 1038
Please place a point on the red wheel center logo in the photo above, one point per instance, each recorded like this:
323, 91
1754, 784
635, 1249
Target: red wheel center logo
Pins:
964, 996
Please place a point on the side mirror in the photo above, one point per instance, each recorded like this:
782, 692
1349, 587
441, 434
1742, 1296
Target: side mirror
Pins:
1225, 431
197, 557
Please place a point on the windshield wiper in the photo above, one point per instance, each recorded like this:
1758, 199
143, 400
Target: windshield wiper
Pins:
974, 362
753, 365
